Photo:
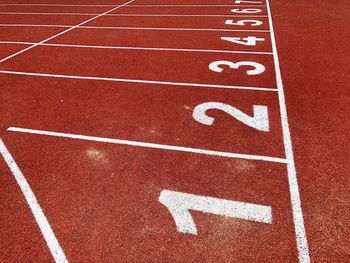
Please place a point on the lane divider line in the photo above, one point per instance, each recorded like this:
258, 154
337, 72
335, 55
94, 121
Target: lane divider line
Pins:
34, 206
300, 232
140, 48
65, 31
121, 14
139, 28
137, 81
133, 5
149, 145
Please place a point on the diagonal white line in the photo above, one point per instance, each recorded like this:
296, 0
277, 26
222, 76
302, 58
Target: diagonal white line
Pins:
139, 28
140, 48
202, 85
149, 145
120, 14
65, 31
38, 213
300, 232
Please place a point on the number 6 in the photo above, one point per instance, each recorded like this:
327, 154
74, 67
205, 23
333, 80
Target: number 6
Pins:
246, 11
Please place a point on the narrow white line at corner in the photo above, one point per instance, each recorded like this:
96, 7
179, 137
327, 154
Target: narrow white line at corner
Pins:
34, 206
139, 28
300, 232
65, 31
149, 145
140, 48
121, 14
135, 5
137, 81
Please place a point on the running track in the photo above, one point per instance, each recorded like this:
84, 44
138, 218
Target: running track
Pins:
174, 131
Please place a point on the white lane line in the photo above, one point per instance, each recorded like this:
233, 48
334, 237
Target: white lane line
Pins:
137, 81
148, 145
121, 14
140, 48
139, 28
65, 31
300, 232
34, 206
133, 5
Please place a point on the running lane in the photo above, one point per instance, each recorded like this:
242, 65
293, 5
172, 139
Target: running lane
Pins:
127, 169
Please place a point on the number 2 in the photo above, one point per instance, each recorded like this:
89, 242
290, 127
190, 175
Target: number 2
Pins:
259, 121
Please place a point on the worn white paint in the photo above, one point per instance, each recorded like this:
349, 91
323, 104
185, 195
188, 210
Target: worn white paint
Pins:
179, 204
149, 145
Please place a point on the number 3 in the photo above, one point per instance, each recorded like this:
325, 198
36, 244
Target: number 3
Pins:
259, 121
258, 68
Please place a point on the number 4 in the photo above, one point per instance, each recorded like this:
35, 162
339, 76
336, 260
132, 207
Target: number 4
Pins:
246, 41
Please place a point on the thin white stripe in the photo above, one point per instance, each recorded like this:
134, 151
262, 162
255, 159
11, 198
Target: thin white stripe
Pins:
138, 28
65, 31
149, 145
134, 5
140, 48
34, 206
121, 14
137, 81
301, 240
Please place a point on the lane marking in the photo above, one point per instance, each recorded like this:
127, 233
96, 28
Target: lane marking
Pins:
34, 206
179, 205
133, 5
139, 48
140, 28
300, 232
137, 81
149, 145
65, 31
121, 14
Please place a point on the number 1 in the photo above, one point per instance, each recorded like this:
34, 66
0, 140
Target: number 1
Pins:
179, 204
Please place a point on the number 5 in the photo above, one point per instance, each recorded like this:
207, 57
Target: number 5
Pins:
243, 22
259, 121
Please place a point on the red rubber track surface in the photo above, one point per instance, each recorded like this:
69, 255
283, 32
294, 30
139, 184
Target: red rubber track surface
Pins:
135, 86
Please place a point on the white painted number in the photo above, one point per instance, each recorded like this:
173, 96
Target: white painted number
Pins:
258, 68
244, 22
246, 41
180, 203
246, 11
259, 121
